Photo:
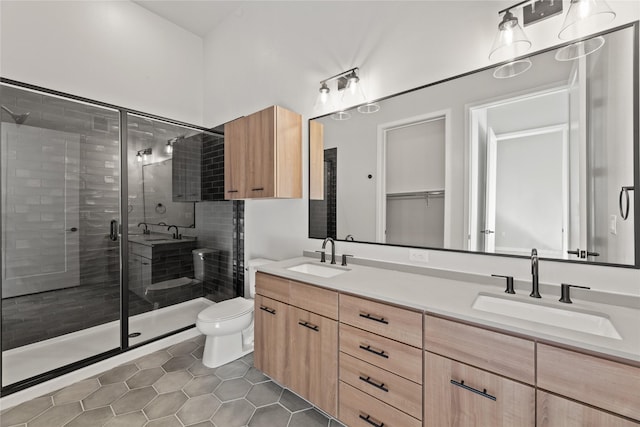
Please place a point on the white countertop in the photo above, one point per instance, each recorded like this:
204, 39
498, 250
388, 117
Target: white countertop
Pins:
454, 298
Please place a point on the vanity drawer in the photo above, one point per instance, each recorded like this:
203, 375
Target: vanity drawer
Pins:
383, 319
272, 287
504, 354
358, 409
142, 250
461, 395
314, 299
599, 382
388, 354
555, 411
390, 388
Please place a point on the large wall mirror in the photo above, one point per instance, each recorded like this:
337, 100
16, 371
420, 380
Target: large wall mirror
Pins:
546, 159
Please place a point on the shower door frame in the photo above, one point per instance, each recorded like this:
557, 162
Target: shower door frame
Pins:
123, 237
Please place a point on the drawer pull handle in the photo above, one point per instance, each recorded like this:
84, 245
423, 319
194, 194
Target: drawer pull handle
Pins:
374, 318
268, 310
482, 393
368, 380
258, 189
380, 353
368, 419
310, 326
232, 191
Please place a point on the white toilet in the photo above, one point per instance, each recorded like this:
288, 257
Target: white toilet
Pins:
228, 325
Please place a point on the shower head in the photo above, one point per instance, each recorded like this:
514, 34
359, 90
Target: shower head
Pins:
18, 118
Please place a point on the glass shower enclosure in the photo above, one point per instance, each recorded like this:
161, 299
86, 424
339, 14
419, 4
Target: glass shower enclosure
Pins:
70, 177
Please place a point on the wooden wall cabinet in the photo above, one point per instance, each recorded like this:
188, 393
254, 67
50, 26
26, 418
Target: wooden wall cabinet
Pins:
296, 338
263, 155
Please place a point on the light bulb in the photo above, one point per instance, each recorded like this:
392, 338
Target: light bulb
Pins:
324, 93
168, 148
139, 157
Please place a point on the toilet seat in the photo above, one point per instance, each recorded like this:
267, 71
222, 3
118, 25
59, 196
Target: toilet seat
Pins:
226, 310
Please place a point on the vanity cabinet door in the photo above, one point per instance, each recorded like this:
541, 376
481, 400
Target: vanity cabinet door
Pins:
555, 411
271, 338
460, 395
235, 148
313, 353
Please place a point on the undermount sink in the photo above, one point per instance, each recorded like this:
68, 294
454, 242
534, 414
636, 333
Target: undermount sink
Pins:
580, 321
318, 270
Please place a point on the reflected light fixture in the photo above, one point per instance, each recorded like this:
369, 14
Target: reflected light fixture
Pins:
143, 155
348, 94
168, 148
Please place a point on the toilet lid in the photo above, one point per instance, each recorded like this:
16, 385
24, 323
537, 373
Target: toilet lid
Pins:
225, 310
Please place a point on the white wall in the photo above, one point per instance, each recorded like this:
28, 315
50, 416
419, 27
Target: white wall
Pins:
276, 53
110, 51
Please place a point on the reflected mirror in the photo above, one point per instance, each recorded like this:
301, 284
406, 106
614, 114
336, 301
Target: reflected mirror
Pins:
157, 195
546, 159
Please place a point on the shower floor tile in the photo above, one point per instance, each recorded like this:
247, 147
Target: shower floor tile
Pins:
192, 400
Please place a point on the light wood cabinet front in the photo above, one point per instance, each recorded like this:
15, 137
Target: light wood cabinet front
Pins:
599, 382
358, 409
273, 287
271, 338
397, 323
313, 353
460, 395
506, 355
556, 411
390, 355
263, 155
235, 148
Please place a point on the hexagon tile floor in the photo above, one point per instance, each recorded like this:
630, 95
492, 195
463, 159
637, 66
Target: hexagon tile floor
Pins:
171, 388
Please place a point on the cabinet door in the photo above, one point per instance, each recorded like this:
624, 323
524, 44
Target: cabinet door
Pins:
460, 395
313, 356
555, 411
261, 161
235, 148
271, 338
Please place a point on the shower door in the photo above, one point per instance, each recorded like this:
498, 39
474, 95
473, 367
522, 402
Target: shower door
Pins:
60, 202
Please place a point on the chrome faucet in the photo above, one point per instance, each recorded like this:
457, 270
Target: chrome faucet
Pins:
333, 248
535, 292
177, 234
146, 228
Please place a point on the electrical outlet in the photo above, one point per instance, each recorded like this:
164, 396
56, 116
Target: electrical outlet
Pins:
417, 255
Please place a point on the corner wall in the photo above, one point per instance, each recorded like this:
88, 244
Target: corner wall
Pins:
276, 53
110, 51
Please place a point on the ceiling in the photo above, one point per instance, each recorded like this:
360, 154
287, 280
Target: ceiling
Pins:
198, 17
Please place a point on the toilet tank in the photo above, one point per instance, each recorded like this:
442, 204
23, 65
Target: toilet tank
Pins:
250, 276
200, 257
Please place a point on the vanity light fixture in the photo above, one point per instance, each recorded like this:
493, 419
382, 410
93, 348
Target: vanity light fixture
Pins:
168, 148
510, 41
583, 18
142, 155
348, 93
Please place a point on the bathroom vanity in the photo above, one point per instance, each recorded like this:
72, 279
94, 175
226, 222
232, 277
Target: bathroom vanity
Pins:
379, 347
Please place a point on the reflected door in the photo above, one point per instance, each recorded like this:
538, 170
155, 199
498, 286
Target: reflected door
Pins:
41, 209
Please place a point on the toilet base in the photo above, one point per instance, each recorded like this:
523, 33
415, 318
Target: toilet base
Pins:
219, 350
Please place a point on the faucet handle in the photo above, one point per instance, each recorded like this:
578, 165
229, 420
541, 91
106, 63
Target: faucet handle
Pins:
344, 259
510, 288
565, 290
323, 257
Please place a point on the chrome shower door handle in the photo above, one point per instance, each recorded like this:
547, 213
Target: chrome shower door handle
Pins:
113, 230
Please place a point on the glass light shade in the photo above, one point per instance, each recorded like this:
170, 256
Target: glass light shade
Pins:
585, 17
139, 157
341, 115
510, 41
323, 101
512, 69
579, 49
168, 148
352, 95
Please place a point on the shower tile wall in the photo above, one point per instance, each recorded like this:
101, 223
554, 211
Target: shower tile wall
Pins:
215, 229
322, 217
